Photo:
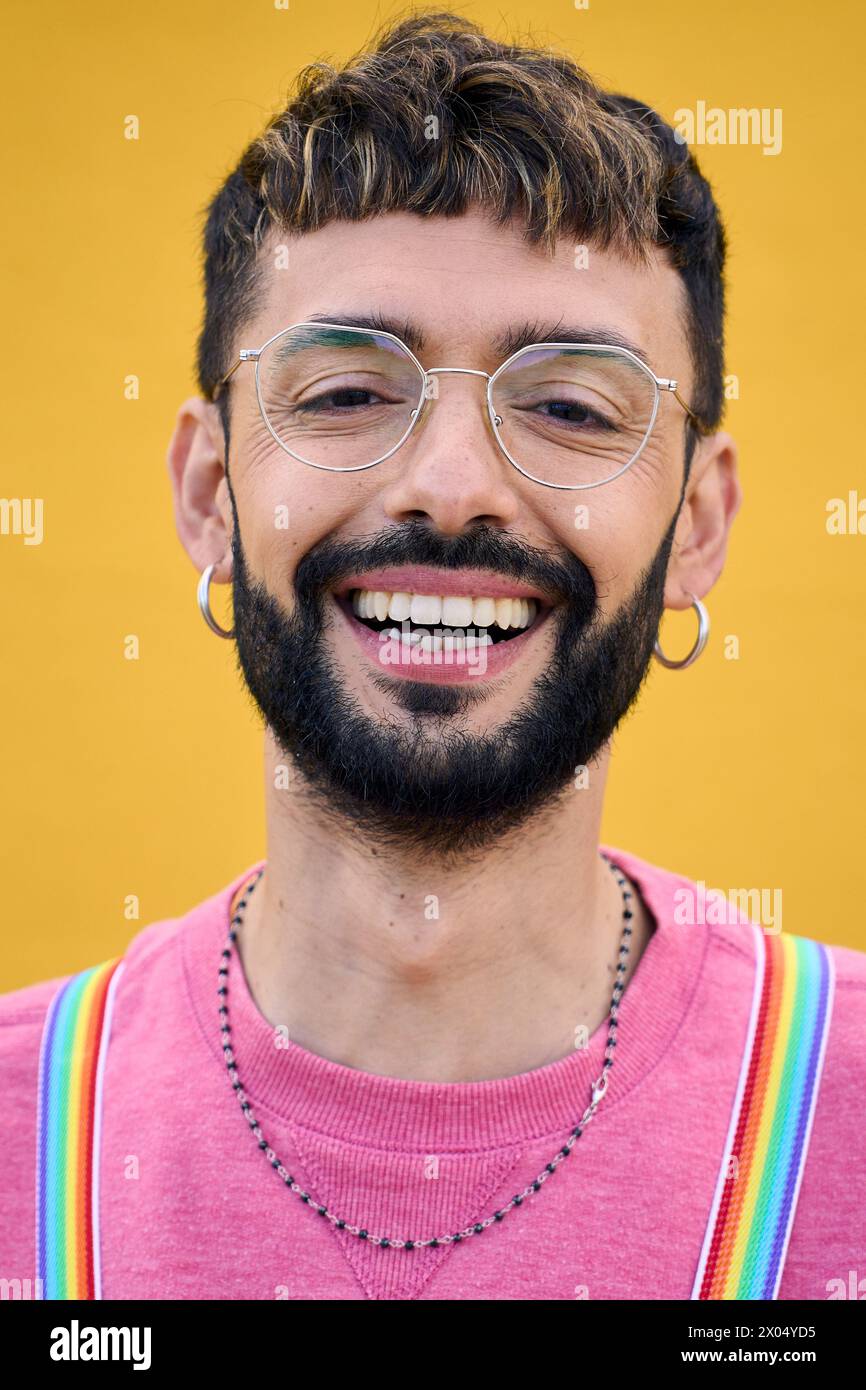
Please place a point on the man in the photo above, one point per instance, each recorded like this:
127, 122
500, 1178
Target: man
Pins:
457, 448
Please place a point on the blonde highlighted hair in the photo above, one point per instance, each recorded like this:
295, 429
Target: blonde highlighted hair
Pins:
436, 117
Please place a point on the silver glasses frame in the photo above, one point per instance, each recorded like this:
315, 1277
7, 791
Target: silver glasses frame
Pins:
659, 384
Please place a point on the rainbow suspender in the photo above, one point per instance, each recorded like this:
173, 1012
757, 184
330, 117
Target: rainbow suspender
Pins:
71, 1067
765, 1153
759, 1179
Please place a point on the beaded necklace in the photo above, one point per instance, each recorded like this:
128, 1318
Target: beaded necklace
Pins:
598, 1091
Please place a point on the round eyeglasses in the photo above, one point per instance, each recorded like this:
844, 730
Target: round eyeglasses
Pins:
566, 415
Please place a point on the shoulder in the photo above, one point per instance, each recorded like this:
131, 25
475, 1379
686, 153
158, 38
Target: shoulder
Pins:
843, 1079
148, 959
850, 971
828, 1235
726, 920
37, 1028
23, 1012
846, 1048
718, 927
150, 972
22, 1018
148, 984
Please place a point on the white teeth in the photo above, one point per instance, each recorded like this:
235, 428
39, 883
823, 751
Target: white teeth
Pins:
425, 608
398, 608
484, 612
456, 612
452, 611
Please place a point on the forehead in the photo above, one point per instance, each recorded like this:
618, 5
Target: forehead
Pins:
465, 286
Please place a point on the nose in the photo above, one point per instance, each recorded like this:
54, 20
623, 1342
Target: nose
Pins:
451, 471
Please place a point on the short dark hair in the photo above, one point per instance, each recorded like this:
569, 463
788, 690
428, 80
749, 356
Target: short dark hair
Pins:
519, 131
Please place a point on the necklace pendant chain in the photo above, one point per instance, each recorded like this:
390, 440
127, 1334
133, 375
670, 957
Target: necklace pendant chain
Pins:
599, 1090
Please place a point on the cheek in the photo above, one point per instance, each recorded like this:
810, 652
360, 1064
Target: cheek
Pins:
281, 514
285, 508
616, 530
657, 474
282, 505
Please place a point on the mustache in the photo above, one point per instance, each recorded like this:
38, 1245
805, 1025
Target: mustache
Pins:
562, 577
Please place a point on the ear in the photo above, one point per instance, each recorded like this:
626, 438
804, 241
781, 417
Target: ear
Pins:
712, 500
196, 467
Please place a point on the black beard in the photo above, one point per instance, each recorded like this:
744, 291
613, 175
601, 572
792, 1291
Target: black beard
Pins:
427, 782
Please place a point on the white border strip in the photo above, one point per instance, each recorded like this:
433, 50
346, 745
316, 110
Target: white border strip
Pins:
97, 1130
760, 958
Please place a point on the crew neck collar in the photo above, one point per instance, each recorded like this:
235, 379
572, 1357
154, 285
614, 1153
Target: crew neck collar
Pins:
386, 1112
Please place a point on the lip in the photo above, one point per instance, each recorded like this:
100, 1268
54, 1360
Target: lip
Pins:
499, 656
418, 579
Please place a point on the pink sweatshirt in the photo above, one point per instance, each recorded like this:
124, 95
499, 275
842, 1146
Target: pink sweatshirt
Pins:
191, 1209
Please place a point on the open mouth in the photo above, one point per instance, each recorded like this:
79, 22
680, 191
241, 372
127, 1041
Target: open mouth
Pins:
436, 621
429, 623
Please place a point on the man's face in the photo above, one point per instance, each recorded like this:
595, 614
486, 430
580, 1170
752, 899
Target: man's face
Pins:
450, 752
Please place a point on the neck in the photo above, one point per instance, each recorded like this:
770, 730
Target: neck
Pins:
402, 967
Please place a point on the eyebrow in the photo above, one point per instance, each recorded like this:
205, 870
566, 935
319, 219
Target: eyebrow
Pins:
505, 344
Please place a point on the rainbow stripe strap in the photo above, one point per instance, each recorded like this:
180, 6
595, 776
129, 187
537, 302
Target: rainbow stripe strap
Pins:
71, 1067
765, 1152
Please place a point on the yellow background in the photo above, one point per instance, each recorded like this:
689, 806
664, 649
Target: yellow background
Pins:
144, 777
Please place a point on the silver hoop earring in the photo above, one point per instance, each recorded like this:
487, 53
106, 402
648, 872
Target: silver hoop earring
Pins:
204, 604
700, 640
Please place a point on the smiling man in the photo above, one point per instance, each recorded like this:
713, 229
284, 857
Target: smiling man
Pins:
457, 448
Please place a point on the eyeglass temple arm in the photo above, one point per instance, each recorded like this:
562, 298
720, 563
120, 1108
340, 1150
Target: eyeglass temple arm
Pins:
671, 386
246, 355
218, 389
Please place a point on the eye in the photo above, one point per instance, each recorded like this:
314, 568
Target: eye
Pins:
341, 399
576, 413
575, 416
